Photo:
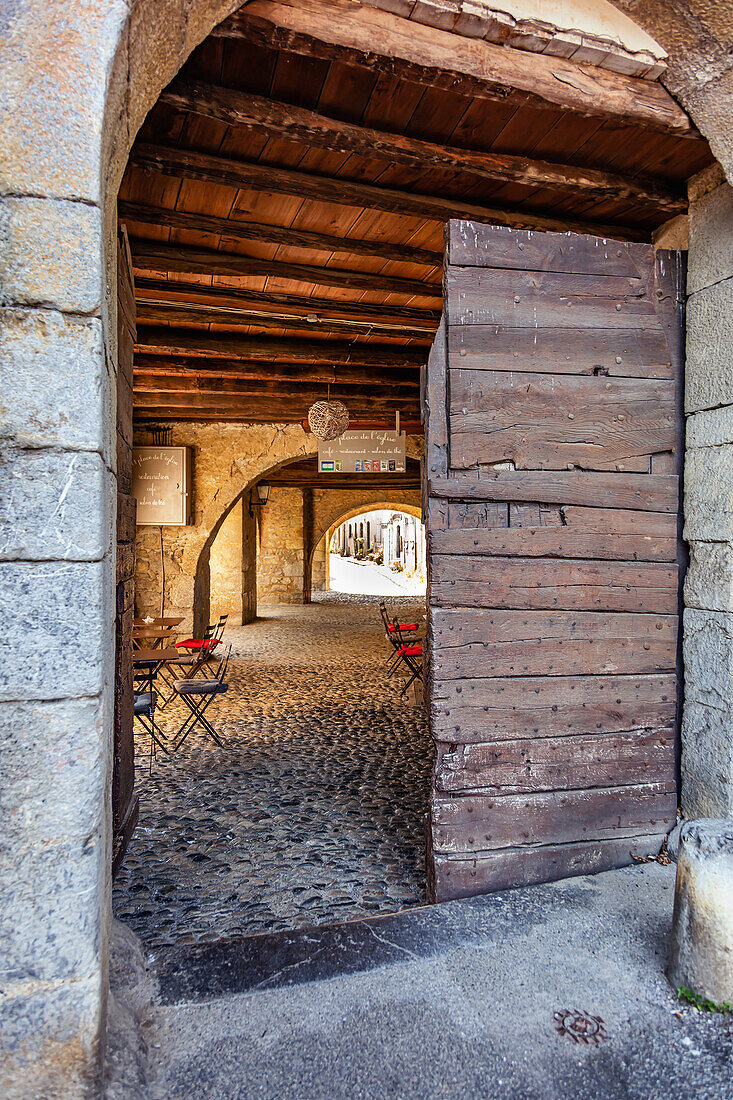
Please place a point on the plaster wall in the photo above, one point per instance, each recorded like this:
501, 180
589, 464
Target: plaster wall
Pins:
707, 733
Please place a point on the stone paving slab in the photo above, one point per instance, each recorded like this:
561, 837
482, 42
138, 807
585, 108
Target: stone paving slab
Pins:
314, 810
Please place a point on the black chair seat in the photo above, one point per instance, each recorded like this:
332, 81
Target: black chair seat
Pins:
145, 703
200, 687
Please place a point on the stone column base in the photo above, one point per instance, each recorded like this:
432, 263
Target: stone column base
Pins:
702, 933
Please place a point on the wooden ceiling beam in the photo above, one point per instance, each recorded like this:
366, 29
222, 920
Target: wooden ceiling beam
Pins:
186, 164
228, 297
388, 391
162, 312
159, 256
233, 229
289, 350
353, 33
260, 407
282, 372
312, 129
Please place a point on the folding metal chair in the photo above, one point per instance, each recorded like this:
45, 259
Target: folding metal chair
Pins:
410, 653
395, 634
198, 696
211, 639
144, 710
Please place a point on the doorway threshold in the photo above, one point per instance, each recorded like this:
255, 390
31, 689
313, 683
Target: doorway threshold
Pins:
240, 964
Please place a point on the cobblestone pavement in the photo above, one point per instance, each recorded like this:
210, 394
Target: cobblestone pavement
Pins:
314, 810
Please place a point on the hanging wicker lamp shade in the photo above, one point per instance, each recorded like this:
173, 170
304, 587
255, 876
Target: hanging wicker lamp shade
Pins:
328, 419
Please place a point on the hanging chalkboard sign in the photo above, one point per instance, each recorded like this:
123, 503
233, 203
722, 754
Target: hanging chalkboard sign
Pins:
363, 452
161, 485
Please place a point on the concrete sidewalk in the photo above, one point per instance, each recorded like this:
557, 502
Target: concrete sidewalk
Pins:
457, 1000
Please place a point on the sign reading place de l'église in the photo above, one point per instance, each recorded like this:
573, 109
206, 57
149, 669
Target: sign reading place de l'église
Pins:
161, 485
363, 452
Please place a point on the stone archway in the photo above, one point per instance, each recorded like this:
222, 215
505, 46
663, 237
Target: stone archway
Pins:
271, 447
66, 134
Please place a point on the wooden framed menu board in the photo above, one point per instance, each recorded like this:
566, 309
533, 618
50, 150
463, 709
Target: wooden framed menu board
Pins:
161, 485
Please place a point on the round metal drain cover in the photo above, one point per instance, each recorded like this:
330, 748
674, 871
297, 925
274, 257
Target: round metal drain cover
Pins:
581, 1027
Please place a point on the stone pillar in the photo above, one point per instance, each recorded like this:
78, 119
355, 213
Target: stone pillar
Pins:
707, 745
308, 546
249, 563
702, 940
57, 518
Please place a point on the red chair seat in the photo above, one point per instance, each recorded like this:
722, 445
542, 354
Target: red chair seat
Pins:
403, 626
198, 643
411, 650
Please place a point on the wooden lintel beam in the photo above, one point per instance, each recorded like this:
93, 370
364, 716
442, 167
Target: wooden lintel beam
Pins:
185, 164
235, 230
313, 129
326, 481
264, 348
234, 297
354, 33
163, 367
158, 256
151, 312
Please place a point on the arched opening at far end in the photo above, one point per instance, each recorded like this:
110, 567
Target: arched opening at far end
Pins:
381, 553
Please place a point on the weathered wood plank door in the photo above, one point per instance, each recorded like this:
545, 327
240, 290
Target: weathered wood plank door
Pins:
124, 799
552, 420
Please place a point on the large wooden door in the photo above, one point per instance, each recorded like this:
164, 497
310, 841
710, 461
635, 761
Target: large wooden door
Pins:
552, 414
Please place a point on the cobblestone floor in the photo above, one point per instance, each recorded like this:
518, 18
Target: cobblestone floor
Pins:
314, 810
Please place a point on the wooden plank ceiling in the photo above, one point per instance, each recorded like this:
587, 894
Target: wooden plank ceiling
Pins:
286, 199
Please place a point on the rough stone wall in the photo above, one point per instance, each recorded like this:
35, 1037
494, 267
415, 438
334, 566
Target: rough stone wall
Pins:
226, 459
707, 735
280, 561
226, 568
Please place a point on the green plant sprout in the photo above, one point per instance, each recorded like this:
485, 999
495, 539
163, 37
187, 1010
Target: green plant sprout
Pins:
702, 1003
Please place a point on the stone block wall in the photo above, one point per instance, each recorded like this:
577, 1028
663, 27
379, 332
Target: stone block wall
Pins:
707, 733
226, 458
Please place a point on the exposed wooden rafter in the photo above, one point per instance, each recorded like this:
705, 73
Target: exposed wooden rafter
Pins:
147, 385
158, 256
310, 128
236, 230
299, 305
184, 164
165, 366
263, 348
163, 312
354, 33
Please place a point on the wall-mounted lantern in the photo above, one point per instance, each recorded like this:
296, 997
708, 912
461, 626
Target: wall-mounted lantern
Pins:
262, 489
